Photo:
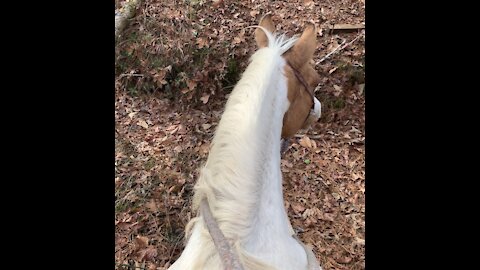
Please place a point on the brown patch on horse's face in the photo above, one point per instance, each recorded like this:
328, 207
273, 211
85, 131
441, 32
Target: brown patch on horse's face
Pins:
300, 101
299, 56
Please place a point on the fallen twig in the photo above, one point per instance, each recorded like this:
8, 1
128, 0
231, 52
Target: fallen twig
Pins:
309, 136
346, 27
340, 47
129, 75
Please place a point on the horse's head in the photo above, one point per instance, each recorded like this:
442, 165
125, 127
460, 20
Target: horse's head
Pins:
302, 78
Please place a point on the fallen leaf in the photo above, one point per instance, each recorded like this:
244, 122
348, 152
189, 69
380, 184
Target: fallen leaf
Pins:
147, 254
305, 142
361, 87
355, 130
338, 90
360, 241
355, 176
182, 129
132, 114
152, 206
216, 3
142, 123
310, 212
344, 260
159, 76
205, 98
174, 188
327, 216
297, 208
191, 84
254, 13
202, 42
204, 148
307, 2
142, 241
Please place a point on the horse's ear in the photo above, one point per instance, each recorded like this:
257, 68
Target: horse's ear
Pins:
303, 50
260, 36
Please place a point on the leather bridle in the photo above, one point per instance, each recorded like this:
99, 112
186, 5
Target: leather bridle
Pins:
300, 78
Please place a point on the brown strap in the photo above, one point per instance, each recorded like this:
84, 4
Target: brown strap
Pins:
302, 81
229, 258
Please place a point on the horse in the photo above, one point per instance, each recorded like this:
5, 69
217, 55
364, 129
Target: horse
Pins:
241, 220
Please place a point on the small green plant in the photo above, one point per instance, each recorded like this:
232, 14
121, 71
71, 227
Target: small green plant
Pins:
338, 103
149, 164
232, 75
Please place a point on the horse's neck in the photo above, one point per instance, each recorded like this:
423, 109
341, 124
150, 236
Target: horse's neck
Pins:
243, 168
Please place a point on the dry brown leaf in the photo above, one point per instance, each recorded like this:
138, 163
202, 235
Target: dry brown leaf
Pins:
308, 2
132, 114
360, 241
297, 208
338, 90
147, 254
204, 148
182, 129
152, 205
344, 259
205, 98
191, 84
198, 74
327, 216
311, 212
202, 42
314, 144
217, 3
142, 123
159, 76
305, 142
361, 87
142, 241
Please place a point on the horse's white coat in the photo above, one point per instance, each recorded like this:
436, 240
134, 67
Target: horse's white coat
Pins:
242, 178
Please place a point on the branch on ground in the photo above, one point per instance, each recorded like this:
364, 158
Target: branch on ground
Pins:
340, 47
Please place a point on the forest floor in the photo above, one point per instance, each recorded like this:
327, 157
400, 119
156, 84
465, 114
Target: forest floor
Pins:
176, 63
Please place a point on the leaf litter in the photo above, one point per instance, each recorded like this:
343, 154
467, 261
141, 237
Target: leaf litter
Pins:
176, 63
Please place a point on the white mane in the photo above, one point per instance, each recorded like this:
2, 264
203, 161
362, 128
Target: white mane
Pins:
242, 178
